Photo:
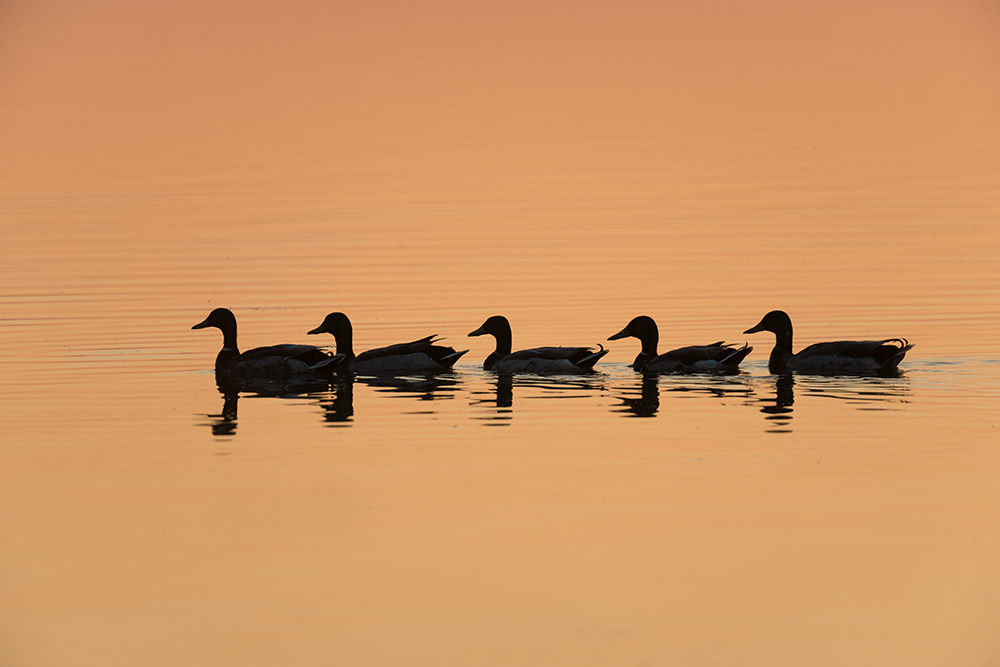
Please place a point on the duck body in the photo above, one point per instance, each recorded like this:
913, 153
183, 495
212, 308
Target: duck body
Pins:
845, 357
421, 355
546, 360
275, 361
712, 358
534, 360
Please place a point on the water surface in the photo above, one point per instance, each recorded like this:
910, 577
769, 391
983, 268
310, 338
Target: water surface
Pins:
570, 168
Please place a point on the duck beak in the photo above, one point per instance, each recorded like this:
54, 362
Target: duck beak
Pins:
317, 330
624, 333
202, 325
757, 328
478, 332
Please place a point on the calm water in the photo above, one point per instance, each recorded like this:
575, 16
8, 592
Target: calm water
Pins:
474, 518
570, 168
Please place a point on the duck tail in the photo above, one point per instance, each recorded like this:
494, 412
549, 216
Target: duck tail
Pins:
738, 355
896, 349
591, 359
330, 365
450, 359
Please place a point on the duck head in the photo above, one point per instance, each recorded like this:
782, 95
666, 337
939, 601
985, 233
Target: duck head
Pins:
220, 318
643, 328
780, 324
498, 327
339, 326
223, 320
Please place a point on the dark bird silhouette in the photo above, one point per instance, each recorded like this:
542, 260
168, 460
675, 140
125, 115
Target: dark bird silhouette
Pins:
537, 359
420, 355
845, 357
715, 357
274, 361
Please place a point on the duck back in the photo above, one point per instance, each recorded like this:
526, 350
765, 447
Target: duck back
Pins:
418, 355
699, 358
549, 360
274, 361
851, 356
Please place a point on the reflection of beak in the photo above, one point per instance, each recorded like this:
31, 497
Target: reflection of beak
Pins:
317, 330
478, 332
624, 333
201, 325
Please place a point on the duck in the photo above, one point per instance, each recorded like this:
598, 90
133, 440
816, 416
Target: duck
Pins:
261, 362
845, 357
420, 355
535, 360
715, 357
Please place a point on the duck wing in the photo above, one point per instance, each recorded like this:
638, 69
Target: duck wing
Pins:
418, 355
398, 349
308, 354
555, 353
287, 359
717, 356
853, 355
551, 359
693, 353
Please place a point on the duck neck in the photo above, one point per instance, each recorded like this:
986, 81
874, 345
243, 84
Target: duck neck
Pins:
229, 337
504, 340
230, 352
642, 360
783, 337
345, 342
492, 360
777, 363
650, 340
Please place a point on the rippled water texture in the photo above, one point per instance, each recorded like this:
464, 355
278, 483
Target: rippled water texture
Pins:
421, 169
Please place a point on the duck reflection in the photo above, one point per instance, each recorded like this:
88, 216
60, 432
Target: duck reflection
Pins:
872, 392
777, 410
867, 393
644, 400
646, 403
422, 387
224, 424
498, 401
334, 396
339, 409
501, 397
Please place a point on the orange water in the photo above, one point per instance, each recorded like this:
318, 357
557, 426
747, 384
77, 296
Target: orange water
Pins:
421, 169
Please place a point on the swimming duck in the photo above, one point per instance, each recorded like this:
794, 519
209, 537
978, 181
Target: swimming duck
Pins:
535, 360
841, 357
260, 362
420, 355
692, 359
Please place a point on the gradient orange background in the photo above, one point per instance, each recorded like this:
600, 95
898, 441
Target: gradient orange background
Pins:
640, 103
422, 166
